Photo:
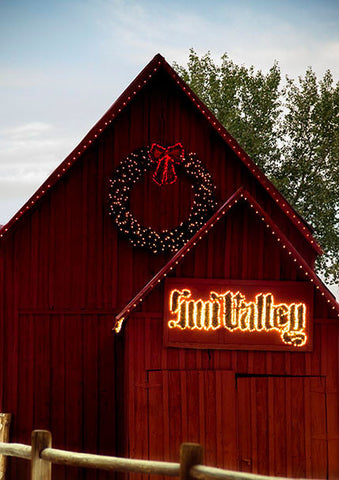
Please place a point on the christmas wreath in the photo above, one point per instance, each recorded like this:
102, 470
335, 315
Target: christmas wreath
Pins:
166, 162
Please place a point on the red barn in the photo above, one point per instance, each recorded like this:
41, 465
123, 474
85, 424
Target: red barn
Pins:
230, 339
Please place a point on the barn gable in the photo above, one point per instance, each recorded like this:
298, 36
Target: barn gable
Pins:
284, 245
156, 107
158, 66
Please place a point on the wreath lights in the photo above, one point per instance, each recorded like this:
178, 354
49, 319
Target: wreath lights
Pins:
167, 163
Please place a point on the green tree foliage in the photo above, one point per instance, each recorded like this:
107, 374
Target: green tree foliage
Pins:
291, 132
308, 174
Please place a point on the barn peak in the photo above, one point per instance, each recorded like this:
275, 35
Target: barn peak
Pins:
156, 66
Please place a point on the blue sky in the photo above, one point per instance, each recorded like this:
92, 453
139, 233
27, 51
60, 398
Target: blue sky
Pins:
64, 62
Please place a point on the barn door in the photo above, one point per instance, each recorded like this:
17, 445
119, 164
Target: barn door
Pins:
282, 428
192, 406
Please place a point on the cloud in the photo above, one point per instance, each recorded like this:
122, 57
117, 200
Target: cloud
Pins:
26, 131
30, 146
144, 28
250, 34
21, 78
28, 154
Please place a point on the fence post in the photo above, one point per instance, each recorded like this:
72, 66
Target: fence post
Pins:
190, 454
5, 422
40, 469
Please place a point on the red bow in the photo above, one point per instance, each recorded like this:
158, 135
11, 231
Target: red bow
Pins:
166, 158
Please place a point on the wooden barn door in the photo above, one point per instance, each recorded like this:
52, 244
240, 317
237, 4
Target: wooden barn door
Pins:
270, 425
282, 428
192, 406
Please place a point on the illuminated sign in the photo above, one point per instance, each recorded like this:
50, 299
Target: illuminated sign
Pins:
229, 314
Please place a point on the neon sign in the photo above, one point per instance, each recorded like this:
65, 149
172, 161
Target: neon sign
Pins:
231, 311
239, 314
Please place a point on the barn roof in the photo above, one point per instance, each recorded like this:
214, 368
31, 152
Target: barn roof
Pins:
240, 195
158, 62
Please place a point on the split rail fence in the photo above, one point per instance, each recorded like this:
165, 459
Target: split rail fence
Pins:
42, 456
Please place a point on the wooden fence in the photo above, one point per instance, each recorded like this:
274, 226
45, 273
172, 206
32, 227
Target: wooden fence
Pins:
5, 421
42, 456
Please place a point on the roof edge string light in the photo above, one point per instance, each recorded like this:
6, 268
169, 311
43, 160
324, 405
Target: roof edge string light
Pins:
241, 193
176, 259
94, 133
140, 81
270, 188
286, 244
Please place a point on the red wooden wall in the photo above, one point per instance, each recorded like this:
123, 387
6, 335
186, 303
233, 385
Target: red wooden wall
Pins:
65, 271
274, 413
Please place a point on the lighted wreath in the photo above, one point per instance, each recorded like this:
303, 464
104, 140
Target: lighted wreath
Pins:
166, 163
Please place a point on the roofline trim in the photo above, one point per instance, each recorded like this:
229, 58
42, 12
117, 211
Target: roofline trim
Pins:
295, 217
122, 101
241, 193
175, 260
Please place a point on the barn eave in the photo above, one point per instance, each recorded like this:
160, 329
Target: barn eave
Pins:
113, 112
240, 195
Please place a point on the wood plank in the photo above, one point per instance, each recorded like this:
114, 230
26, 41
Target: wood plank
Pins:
270, 429
318, 427
167, 415
90, 354
297, 438
58, 369
185, 408
174, 412
93, 235
156, 415
58, 204
106, 386
11, 333
73, 388
42, 372
193, 407
308, 408
34, 256
156, 418
210, 417
84, 219
331, 352
140, 397
43, 272
201, 402
25, 407
261, 385
226, 382
245, 263
278, 419
244, 425
333, 434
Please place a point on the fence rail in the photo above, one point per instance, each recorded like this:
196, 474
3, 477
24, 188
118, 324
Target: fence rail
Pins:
42, 456
74, 459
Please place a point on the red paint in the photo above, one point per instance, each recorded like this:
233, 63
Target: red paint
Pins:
121, 103
66, 272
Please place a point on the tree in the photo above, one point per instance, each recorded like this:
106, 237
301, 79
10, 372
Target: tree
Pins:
291, 132
308, 173
246, 102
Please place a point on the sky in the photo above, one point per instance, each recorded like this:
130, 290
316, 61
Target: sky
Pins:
64, 62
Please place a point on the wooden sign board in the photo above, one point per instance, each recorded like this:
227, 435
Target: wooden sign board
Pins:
238, 315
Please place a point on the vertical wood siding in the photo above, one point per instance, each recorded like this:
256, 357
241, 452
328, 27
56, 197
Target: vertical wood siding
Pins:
273, 413
65, 270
